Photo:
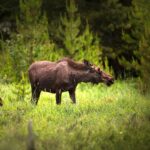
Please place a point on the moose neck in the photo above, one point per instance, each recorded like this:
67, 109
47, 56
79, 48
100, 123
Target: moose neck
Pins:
81, 76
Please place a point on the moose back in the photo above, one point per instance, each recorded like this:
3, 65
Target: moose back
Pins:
63, 75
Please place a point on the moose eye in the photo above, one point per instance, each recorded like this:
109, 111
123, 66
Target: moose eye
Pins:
92, 70
100, 72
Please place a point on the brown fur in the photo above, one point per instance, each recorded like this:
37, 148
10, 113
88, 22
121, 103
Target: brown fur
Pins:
73, 64
60, 76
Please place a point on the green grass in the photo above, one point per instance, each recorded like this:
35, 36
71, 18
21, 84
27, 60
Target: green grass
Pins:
107, 118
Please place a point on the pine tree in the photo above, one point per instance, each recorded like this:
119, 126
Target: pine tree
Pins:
89, 46
69, 28
144, 53
34, 28
20, 89
131, 35
31, 42
78, 43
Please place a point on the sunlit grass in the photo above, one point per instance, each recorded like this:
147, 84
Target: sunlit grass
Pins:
115, 117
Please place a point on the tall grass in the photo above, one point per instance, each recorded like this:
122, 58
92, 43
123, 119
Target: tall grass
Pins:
116, 117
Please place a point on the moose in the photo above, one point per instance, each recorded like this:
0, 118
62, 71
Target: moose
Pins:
63, 75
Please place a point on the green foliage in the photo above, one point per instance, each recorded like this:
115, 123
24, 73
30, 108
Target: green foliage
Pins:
77, 43
110, 19
18, 56
34, 28
142, 33
30, 9
21, 89
117, 24
89, 46
69, 28
31, 42
111, 118
112, 34
5, 64
131, 36
144, 53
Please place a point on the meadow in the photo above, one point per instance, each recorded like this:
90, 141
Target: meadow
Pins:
104, 118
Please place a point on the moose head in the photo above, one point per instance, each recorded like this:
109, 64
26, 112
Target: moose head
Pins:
103, 77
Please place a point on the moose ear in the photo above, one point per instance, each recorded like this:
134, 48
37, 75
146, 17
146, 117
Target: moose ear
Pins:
86, 62
98, 70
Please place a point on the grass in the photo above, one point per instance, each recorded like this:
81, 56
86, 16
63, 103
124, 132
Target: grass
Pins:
116, 117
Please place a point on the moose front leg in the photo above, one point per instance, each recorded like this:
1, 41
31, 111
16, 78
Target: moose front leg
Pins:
72, 95
58, 97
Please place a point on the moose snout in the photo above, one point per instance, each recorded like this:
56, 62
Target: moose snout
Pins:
110, 81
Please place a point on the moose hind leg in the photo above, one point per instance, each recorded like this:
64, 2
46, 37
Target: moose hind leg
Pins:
72, 95
35, 95
58, 97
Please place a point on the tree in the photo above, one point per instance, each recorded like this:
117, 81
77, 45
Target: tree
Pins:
34, 28
31, 42
69, 29
89, 46
76, 42
131, 36
144, 53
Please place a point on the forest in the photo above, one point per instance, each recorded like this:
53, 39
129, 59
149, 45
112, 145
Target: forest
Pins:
114, 35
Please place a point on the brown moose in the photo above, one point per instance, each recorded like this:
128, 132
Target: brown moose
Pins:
63, 75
